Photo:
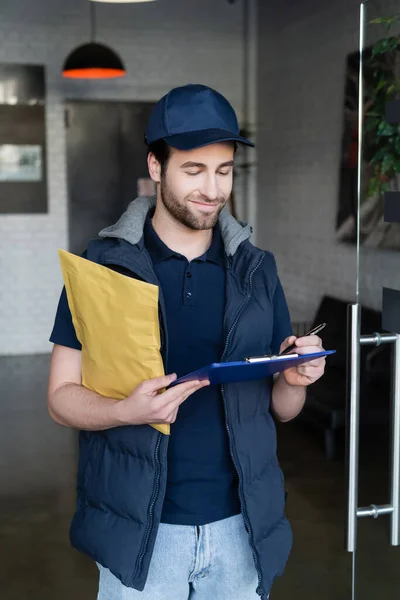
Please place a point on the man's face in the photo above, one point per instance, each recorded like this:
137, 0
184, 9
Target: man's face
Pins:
197, 184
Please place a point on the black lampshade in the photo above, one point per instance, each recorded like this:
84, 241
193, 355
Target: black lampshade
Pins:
93, 61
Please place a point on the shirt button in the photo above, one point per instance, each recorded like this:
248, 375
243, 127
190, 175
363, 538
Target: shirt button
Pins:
188, 274
188, 294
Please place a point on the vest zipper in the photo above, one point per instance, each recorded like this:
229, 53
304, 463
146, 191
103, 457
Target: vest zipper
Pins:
156, 489
158, 476
151, 508
158, 473
231, 445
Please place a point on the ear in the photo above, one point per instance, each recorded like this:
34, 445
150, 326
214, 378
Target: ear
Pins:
154, 168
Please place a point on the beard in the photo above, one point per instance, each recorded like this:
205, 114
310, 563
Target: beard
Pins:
181, 211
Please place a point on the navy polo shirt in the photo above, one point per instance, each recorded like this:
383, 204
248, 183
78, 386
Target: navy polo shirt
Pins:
202, 484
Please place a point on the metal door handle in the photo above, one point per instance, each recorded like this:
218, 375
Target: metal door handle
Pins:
353, 402
395, 492
355, 340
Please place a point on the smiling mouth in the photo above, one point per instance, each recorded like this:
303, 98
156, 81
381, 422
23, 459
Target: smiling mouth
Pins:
206, 205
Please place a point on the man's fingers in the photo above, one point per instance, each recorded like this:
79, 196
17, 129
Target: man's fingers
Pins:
173, 415
289, 341
191, 389
318, 363
169, 410
309, 340
315, 364
158, 383
179, 393
309, 349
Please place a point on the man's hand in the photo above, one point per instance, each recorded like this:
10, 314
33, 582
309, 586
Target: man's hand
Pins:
72, 405
289, 391
308, 373
146, 405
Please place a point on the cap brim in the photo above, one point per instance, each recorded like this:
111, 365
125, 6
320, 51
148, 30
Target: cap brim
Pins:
197, 139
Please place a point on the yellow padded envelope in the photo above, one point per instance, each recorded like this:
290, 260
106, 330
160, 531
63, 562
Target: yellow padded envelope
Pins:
116, 321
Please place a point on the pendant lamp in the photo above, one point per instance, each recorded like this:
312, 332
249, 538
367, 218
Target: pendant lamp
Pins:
93, 60
122, 1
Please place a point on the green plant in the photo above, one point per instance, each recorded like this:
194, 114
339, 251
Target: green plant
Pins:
382, 140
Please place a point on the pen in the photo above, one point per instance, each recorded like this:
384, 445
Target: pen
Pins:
312, 332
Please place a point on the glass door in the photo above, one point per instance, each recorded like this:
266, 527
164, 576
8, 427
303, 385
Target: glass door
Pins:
374, 319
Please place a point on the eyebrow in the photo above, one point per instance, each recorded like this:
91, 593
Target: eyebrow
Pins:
190, 164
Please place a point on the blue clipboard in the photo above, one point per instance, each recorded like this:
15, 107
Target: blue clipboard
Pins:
233, 372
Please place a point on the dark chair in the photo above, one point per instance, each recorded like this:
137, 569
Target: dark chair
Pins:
325, 406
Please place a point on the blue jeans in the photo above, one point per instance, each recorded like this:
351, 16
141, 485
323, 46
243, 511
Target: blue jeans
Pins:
211, 562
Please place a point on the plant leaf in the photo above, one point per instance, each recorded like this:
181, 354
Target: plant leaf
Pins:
381, 85
392, 89
371, 124
374, 186
385, 129
388, 163
386, 45
385, 20
379, 156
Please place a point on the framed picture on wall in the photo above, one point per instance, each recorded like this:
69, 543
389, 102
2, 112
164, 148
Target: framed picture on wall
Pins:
21, 162
23, 173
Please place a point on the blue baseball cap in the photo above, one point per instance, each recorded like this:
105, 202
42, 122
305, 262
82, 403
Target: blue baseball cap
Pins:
193, 116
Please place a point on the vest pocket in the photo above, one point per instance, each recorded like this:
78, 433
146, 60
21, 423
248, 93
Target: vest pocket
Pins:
88, 450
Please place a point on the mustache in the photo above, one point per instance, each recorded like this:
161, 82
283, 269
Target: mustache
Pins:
206, 199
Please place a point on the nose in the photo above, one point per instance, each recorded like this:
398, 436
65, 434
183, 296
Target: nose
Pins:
210, 186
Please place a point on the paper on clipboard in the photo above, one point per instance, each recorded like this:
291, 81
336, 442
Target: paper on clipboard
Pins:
116, 321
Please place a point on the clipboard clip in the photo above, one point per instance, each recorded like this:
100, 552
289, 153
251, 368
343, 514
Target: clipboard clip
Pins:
267, 357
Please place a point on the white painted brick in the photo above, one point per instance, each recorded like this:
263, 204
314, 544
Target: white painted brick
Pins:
303, 47
163, 44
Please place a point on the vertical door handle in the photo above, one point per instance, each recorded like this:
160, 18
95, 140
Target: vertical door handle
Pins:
353, 405
395, 492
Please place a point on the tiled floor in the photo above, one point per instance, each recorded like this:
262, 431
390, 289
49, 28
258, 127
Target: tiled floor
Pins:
37, 480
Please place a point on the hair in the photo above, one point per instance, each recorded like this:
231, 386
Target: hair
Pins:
162, 152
